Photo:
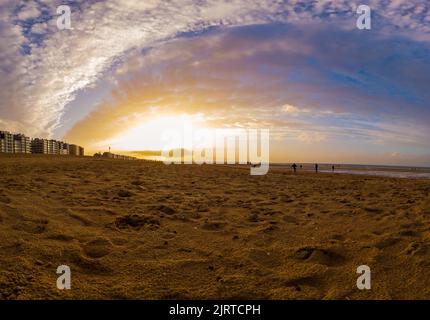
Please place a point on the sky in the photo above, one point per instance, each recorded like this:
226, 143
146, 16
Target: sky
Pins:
128, 70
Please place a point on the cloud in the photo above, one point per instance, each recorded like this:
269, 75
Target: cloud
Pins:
293, 110
311, 137
288, 108
39, 28
42, 74
29, 11
44, 77
356, 91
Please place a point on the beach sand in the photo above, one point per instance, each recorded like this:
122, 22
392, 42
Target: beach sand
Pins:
146, 230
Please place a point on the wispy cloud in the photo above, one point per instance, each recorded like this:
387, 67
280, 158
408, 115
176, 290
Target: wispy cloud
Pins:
39, 79
256, 76
299, 67
42, 69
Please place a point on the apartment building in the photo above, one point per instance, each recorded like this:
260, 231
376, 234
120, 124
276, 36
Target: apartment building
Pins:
39, 146
73, 150
63, 148
53, 147
21, 143
6, 142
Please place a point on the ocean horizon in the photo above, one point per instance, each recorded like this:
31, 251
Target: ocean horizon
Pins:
394, 171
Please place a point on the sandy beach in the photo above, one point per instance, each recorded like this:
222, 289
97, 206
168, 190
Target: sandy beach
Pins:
146, 230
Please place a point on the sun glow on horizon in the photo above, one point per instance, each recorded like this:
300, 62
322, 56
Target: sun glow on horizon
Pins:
150, 135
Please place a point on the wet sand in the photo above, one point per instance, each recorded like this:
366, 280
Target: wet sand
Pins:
145, 230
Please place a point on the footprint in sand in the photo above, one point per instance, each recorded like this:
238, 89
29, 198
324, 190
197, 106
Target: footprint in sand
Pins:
326, 257
60, 237
74, 257
136, 221
373, 210
386, 241
98, 248
253, 217
409, 233
268, 259
213, 225
417, 249
33, 227
290, 219
124, 193
166, 209
4, 199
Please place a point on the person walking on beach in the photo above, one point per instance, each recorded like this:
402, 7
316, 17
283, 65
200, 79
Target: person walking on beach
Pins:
294, 166
316, 167
332, 168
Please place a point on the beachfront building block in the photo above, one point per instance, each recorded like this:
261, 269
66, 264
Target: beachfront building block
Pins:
39, 146
73, 150
6, 142
21, 143
63, 148
53, 147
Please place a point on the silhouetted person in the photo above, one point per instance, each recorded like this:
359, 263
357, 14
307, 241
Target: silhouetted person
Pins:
332, 168
301, 166
294, 166
316, 167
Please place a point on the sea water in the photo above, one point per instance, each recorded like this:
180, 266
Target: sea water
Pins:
369, 170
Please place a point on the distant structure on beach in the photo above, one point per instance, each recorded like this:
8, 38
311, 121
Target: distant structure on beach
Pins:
110, 155
14, 143
19, 143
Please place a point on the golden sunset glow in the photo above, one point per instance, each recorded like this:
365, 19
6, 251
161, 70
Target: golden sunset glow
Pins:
154, 132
